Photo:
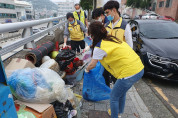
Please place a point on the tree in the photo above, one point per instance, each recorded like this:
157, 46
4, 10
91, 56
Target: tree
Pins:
86, 5
139, 3
55, 15
143, 4
130, 3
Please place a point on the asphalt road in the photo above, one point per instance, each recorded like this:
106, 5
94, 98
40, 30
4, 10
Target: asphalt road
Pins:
160, 96
167, 91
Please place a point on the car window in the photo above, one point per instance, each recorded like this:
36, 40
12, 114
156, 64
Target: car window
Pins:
161, 17
160, 30
153, 14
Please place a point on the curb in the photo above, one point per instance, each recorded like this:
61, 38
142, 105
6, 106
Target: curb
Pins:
139, 104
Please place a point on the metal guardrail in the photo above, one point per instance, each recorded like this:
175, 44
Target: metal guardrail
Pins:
21, 25
28, 35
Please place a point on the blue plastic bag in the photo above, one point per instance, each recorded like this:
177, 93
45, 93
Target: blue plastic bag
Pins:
24, 83
94, 87
88, 41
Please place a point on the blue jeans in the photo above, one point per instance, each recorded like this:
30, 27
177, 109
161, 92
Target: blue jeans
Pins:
118, 93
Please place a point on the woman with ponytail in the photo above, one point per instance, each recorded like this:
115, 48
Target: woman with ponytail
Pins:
119, 59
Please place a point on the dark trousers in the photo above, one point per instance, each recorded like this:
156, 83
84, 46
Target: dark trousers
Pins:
76, 44
108, 77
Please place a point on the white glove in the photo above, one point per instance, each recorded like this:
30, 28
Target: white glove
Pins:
86, 49
64, 45
86, 71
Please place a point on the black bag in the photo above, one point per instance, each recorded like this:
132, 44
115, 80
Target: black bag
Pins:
61, 109
64, 58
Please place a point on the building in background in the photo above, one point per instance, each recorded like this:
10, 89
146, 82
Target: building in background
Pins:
166, 8
65, 7
24, 10
7, 11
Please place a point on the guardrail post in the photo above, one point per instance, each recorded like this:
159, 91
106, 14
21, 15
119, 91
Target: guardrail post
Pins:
50, 25
26, 33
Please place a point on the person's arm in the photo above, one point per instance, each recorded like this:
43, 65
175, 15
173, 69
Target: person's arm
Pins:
98, 54
128, 36
86, 21
82, 26
91, 65
66, 34
65, 40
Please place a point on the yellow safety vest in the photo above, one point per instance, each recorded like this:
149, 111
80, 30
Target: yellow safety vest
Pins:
121, 60
75, 31
82, 16
118, 31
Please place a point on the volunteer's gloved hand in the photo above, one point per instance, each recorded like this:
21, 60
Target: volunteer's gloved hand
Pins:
89, 36
64, 45
87, 71
86, 49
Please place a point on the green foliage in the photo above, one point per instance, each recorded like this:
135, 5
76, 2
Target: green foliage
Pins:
130, 3
143, 4
55, 15
139, 3
86, 4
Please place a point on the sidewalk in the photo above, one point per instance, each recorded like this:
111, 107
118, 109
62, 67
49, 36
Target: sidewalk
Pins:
134, 108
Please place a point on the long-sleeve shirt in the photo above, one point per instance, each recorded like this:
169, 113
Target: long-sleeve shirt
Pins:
66, 31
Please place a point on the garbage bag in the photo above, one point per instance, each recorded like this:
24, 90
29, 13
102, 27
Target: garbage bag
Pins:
94, 87
37, 85
24, 114
86, 56
64, 58
88, 40
51, 64
45, 58
61, 109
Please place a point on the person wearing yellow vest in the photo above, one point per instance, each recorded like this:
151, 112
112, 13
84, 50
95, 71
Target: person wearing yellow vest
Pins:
117, 26
119, 59
80, 15
76, 30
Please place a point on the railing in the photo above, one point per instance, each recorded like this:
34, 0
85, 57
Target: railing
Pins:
27, 36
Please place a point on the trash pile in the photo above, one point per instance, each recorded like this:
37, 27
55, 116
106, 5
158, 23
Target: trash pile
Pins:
41, 82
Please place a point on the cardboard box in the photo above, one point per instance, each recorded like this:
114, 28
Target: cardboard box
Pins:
39, 110
7, 108
17, 63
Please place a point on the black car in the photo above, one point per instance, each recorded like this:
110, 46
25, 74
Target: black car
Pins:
156, 41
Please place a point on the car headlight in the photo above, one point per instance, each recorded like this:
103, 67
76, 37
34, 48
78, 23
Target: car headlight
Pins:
161, 62
156, 58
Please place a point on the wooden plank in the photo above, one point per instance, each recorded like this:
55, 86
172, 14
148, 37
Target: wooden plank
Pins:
98, 114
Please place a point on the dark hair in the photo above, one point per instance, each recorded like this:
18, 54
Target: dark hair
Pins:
97, 12
119, 13
69, 15
111, 4
98, 32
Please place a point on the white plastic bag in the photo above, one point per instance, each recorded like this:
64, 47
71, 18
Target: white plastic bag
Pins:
38, 85
51, 64
45, 58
